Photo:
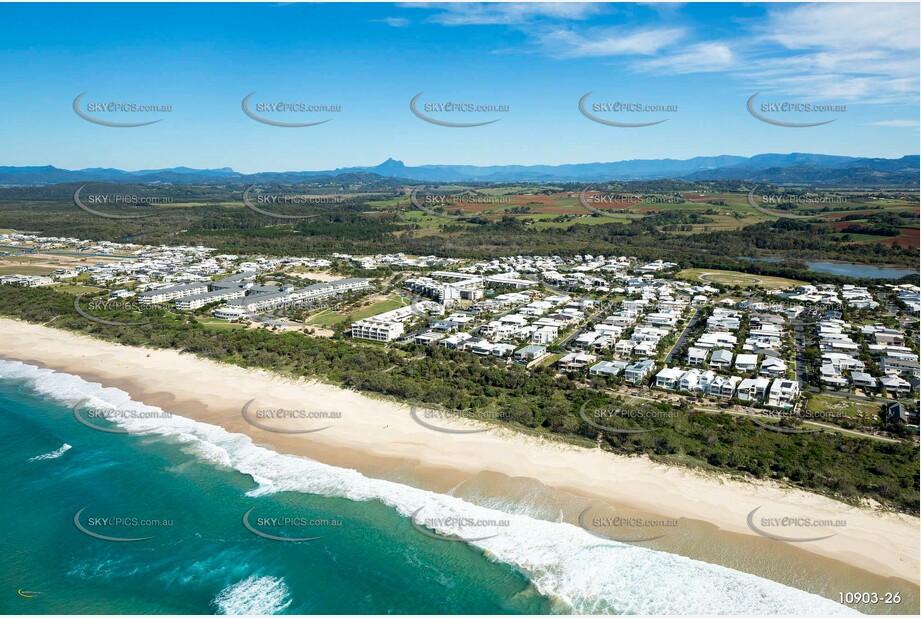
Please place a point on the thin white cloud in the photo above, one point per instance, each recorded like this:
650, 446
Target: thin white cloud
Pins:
393, 22
845, 26
507, 13
844, 52
697, 58
864, 53
607, 42
895, 123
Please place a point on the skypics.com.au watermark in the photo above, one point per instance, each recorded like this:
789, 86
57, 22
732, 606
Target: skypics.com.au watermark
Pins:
589, 200
457, 528
444, 200
435, 203
297, 200
604, 417
296, 527
792, 528
90, 416
110, 304
254, 202
593, 110
771, 112
781, 199
116, 528
104, 112
84, 202
617, 199
625, 526
760, 206
287, 420
263, 111
441, 420
436, 112
787, 417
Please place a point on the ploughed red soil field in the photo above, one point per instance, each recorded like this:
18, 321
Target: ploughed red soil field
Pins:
841, 215
554, 210
534, 200
907, 238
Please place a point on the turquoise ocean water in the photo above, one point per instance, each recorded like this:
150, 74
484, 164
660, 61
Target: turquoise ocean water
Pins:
185, 486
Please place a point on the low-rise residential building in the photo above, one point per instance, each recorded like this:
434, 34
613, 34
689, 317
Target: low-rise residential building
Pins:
895, 386
529, 353
427, 338
607, 368
637, 372
753, 389
173, 292
724, 386
863, 380
198, 301
376, 329
669, 377
575, 361
783, 394
545, 335
746, 362
697, 356
900, 363
716, 340
721, 359
773, 367
690, 382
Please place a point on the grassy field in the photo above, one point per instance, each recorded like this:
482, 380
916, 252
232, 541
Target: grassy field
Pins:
25, 270
840, 411
216, 324
549, 360
328, 318
76, 289
853, 408
728, 277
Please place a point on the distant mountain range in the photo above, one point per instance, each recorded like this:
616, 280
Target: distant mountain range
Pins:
795, 168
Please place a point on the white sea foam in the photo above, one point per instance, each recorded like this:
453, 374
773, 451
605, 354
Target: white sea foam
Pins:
563, 561
254, 596
53, 454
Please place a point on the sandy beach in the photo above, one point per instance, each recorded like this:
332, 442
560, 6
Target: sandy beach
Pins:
381, 438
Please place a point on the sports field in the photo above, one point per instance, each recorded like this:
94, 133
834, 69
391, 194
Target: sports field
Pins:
729, 277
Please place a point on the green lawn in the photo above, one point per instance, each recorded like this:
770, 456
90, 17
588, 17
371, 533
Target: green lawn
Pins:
854, 408
26, 270
728, 277
216, 324
76, 289
327, 318
549, 360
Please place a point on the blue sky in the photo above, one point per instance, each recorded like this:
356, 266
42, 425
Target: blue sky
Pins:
371, 59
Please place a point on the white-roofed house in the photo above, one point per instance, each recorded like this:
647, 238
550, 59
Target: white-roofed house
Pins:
753, 389
669, 377
697, 356
773, 367
746, 362
690, 382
